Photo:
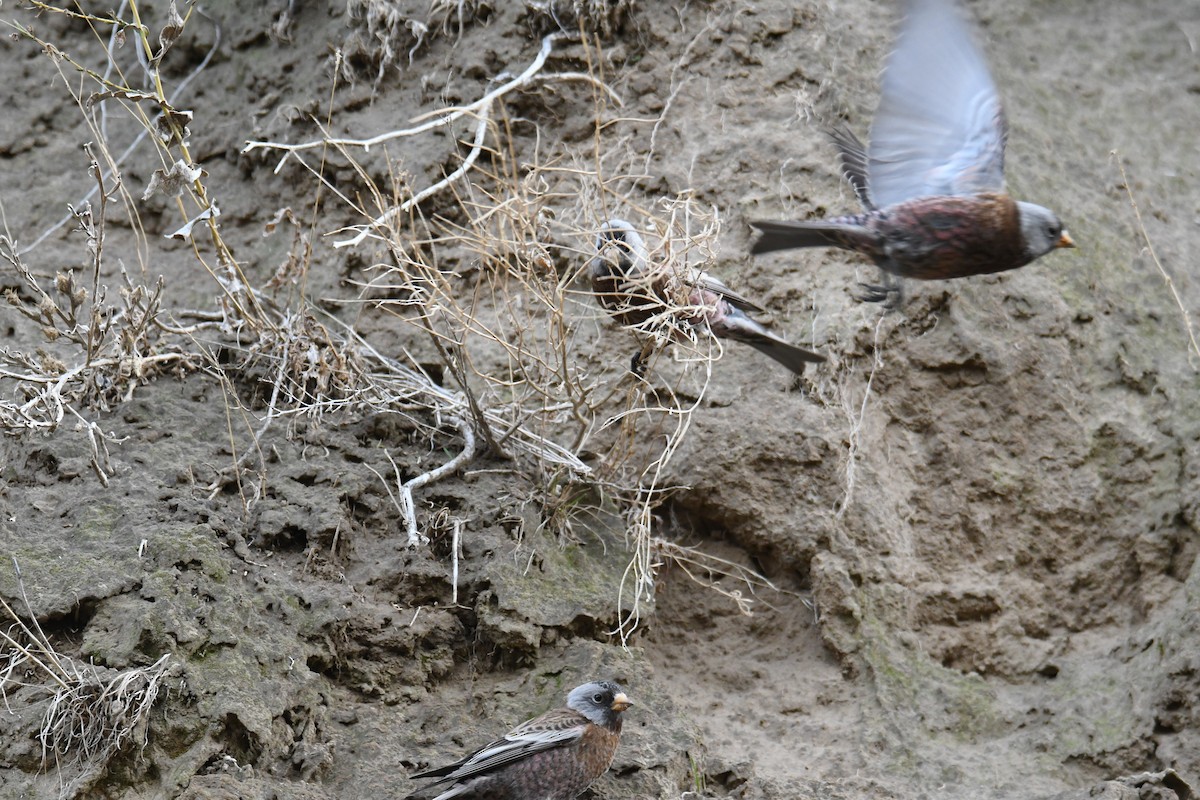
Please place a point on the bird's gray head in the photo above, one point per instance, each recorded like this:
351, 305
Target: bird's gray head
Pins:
600, 701
1041, 231
619, 248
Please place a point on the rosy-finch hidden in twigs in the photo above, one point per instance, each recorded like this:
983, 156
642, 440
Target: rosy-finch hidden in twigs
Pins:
932, 180
643, 295
552, 757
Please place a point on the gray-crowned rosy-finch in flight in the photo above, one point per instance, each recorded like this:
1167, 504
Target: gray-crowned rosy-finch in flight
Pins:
552, 757
643, 296
932, 180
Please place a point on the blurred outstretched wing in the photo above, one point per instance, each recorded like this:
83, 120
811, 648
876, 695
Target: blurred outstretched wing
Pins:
940, 126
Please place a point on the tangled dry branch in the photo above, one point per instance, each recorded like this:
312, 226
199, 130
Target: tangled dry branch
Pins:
488, 283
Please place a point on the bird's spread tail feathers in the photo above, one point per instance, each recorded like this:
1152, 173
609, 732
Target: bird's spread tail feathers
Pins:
790, 356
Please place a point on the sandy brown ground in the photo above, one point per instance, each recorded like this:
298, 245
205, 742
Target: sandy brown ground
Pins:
980, 517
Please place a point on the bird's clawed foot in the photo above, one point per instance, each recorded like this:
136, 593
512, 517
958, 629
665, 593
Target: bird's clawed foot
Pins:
890, 292
877, 293
640, 360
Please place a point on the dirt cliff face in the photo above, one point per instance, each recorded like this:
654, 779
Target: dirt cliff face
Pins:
956, 560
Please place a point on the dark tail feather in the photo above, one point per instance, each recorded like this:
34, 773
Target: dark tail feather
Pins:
792, 357
788, 235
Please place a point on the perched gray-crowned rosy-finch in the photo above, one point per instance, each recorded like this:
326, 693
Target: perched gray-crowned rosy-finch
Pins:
552, 757
644, 296
932, 180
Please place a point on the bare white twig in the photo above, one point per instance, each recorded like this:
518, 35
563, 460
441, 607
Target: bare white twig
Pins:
403, 381
404, 489
454, 546
708, 570
440, 118
429, 191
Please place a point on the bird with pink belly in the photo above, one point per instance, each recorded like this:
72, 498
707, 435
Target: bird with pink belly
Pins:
646, 297
932, 180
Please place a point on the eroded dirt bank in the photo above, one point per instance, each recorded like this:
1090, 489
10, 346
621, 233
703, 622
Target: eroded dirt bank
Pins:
979, 517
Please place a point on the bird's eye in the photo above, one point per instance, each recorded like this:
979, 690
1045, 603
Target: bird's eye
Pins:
598, 699
1055, 231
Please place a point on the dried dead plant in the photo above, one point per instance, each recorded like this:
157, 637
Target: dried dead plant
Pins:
685, 238
504, 312
501, 426
855, 410
392, 30
97, 352
493, 284
596, 17
489, 283
91, 713
152, 113
309, 364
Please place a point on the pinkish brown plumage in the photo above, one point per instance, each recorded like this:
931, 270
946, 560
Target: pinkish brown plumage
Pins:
932, 181
552, 757
641, 296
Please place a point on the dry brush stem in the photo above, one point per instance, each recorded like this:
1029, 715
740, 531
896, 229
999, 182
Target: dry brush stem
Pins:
711, 571
489, 288
385, 385
687, 237
405, 390
313, 365
1183, 312
517, 307
508, 413
856, 417
155, 112
544, 397
102, 351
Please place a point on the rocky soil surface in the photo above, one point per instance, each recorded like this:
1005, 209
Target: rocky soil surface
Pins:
958, 560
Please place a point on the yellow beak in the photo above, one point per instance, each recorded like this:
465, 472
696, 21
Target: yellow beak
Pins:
1065, 240
620, 702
